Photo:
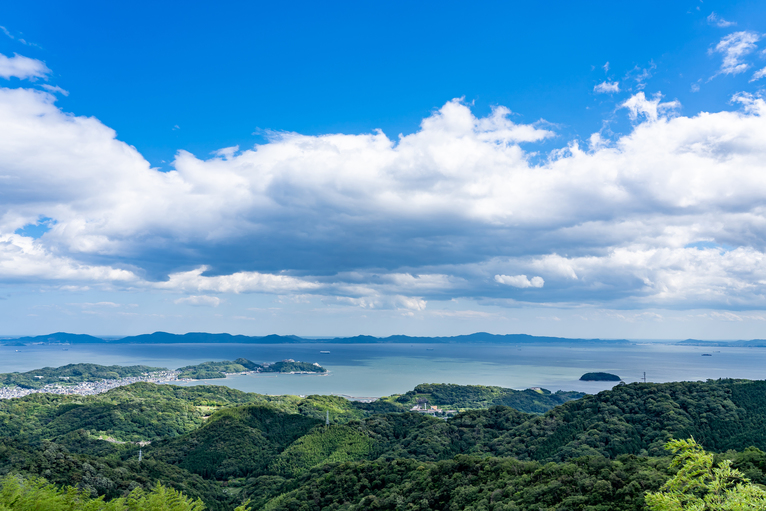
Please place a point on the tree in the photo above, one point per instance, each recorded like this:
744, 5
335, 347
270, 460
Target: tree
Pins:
700, 486
36, 494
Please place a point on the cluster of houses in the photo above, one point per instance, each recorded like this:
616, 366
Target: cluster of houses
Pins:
432, 410
89, 388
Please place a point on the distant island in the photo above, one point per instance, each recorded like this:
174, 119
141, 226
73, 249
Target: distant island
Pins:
754, 343
599, 377
208, 370
223, 338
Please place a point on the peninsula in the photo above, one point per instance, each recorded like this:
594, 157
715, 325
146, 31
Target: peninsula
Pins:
91, 379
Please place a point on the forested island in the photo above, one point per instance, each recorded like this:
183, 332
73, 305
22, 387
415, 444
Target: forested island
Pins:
599, 377
230, 448
207, 370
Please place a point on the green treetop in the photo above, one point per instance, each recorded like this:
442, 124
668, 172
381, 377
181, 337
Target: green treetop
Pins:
700, 486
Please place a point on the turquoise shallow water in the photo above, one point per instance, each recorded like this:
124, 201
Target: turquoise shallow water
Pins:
384, 369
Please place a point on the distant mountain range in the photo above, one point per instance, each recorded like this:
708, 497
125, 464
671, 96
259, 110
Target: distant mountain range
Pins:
755, 343
201, 337
479, 337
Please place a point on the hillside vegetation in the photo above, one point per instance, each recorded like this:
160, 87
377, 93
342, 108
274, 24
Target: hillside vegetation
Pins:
225, 447
480, 396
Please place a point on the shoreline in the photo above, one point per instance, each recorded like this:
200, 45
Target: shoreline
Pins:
99, 387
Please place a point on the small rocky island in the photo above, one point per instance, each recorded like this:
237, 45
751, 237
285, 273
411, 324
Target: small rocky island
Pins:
599, 377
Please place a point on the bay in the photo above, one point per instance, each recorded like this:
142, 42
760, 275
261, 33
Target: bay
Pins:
385, 369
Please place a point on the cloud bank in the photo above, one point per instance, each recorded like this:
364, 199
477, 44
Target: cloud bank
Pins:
671, 214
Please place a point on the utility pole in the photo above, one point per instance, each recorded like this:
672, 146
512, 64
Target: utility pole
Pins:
644, 376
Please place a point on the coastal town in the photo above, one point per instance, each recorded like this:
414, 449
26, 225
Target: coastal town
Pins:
90, 388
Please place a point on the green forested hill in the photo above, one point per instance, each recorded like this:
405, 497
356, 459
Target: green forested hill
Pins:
640, 418
600, 452
235, 442
480, 396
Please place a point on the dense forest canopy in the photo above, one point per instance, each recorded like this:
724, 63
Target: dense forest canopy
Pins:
226, 447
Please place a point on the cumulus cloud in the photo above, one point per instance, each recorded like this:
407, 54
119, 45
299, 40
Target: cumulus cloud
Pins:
607, 88
734, 47
519, 281
716, 20
22, 67
651, 109
24, 259
450, 211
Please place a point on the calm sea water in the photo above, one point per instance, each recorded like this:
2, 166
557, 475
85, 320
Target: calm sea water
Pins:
384, 369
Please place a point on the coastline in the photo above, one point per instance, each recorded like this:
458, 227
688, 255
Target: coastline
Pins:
159, 377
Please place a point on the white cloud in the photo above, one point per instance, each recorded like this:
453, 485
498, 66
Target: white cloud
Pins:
666, 276
366, 221
651, 109
519, 281
240, 282
54, 89
22, 67
716, 20
607, 88
377, 301
758, 74
25, 259
227, 152
199, 301
734, 47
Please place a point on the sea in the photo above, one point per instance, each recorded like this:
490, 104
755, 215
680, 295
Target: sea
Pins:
375, 370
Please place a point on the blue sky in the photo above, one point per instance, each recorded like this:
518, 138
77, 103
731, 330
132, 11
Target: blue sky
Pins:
564, 169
